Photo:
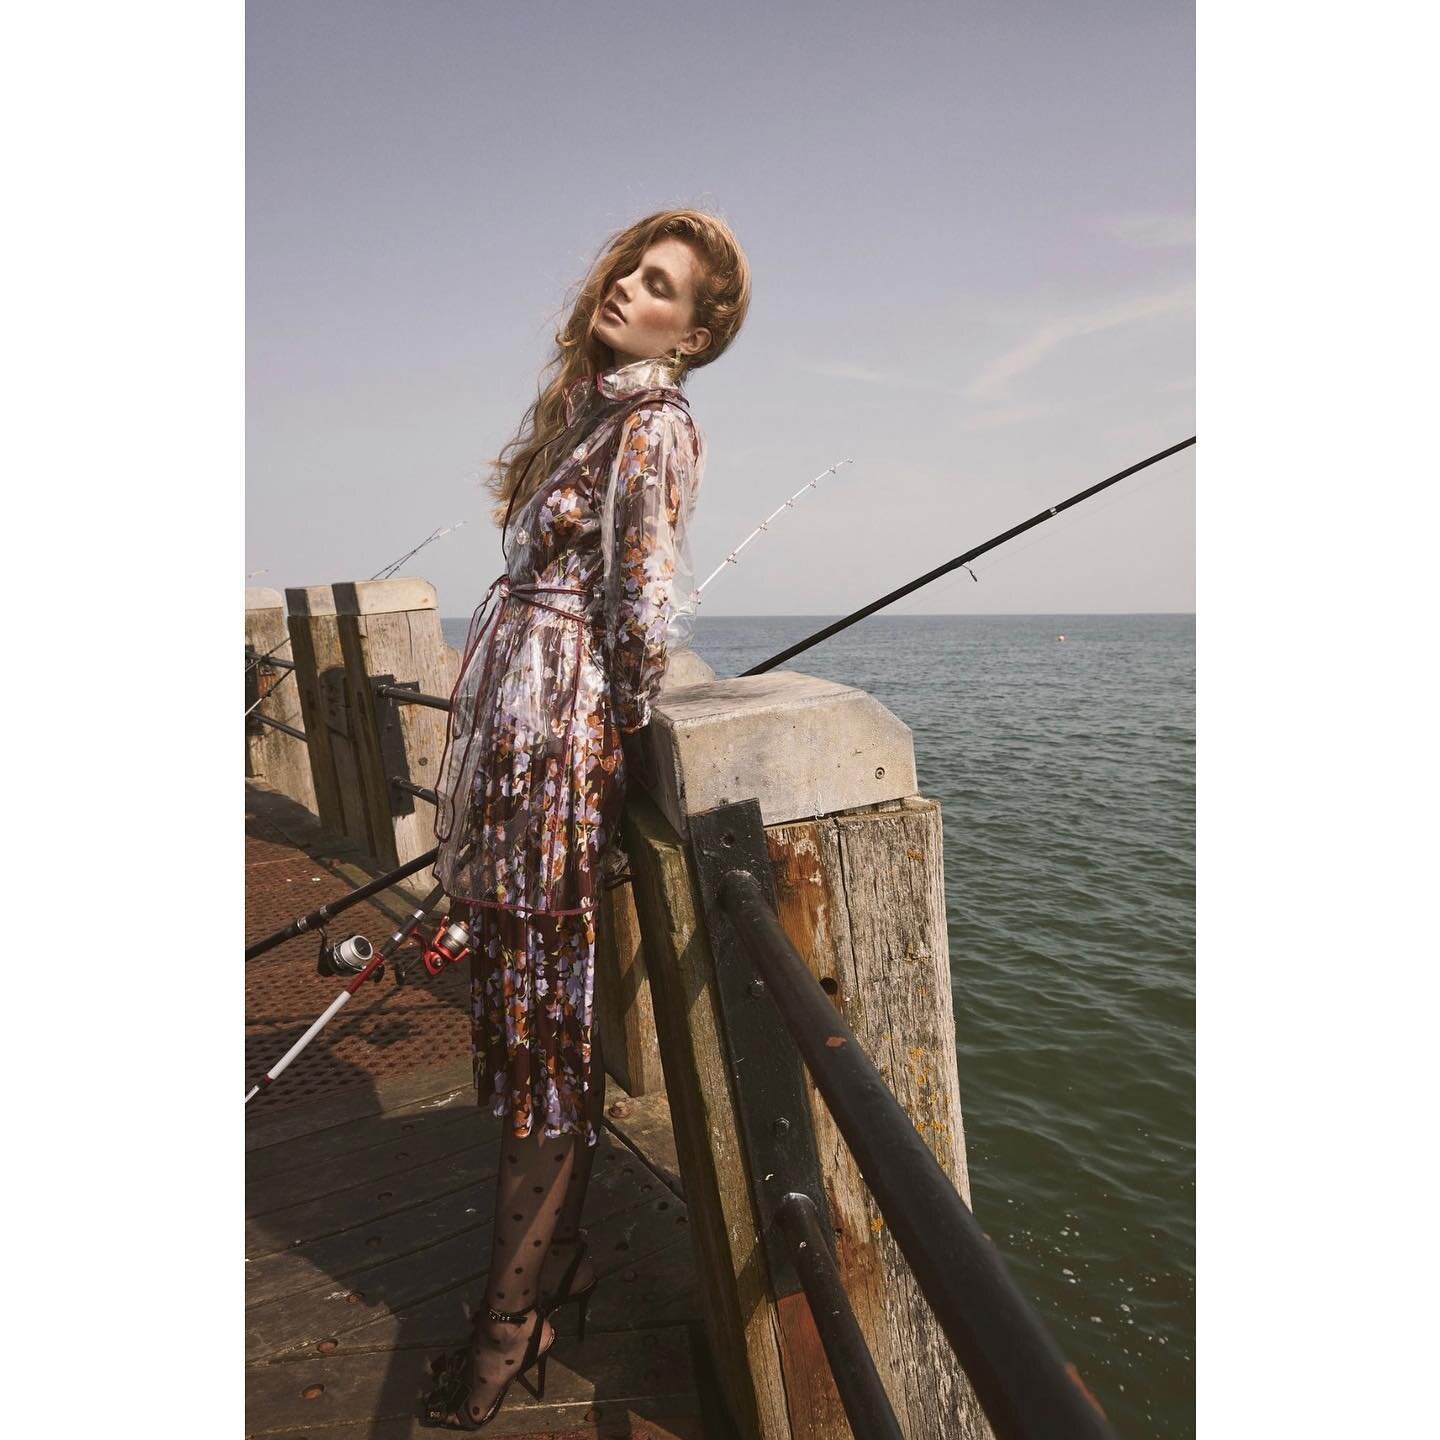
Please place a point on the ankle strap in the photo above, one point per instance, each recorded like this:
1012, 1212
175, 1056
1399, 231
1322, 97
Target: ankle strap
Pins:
515, 1317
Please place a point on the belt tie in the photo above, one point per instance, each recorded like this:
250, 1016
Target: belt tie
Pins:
501, 589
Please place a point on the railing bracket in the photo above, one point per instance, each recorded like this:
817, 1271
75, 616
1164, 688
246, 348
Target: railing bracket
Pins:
772, 1103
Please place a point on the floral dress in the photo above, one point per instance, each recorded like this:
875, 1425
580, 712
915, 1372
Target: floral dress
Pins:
566, 652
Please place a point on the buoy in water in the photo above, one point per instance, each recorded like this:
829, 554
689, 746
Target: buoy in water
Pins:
1059, 637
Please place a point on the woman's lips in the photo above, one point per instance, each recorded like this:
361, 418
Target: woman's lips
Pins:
613, 313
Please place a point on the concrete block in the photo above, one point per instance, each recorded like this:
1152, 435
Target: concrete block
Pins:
800, 745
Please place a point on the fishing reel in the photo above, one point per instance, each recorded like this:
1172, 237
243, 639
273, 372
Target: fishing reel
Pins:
347, 957
449, 945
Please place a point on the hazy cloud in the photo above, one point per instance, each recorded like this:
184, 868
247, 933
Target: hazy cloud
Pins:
1038, 346
1153, 231
844, 370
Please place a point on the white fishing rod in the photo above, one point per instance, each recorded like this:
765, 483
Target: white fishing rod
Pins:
375, 967
764, 525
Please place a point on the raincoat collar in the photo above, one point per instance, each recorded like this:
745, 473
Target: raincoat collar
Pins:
653, 374
657, 373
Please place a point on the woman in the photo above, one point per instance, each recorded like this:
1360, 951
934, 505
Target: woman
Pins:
563, 659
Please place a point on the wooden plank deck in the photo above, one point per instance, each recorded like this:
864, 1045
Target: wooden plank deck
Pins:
367, 1237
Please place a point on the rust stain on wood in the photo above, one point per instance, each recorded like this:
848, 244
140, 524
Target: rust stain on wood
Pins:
803, 901
815, 1411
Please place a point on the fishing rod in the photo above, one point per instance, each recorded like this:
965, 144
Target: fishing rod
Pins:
387, 571
332, 908
375, 967
764, 525
960, 560
382, 574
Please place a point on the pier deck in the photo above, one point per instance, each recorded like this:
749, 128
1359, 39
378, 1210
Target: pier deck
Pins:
369, 1199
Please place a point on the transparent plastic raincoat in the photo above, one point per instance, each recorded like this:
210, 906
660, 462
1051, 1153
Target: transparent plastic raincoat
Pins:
568, 648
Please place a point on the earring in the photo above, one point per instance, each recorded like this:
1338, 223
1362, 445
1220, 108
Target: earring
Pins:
678, 359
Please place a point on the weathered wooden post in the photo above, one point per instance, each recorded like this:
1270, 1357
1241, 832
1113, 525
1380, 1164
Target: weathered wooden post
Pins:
275, 756
324, 702
390, 634
857, 862
623, 1001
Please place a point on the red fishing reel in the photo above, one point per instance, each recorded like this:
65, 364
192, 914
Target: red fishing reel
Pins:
449, 944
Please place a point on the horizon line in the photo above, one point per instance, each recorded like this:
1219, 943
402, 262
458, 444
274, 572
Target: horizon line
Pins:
914, 614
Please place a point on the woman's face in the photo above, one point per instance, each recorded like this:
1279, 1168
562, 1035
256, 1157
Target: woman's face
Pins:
651, 311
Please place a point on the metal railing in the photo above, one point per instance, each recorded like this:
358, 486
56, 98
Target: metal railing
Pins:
261, 718
409, 697
774, 1008
261, 664
419, 791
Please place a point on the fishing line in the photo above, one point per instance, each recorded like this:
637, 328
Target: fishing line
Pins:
856, 616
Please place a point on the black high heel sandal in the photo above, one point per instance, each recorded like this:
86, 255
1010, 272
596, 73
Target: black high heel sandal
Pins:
452, 1389
565, 1295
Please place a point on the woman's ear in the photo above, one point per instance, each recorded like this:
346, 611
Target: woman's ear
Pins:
697, 341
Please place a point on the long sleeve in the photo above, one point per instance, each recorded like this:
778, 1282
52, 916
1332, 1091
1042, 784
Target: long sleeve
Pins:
649, 575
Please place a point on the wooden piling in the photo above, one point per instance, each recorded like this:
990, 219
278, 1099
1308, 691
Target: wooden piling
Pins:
625, 1014
390, 633
624, 1010
272, 755
324, 702
856, 856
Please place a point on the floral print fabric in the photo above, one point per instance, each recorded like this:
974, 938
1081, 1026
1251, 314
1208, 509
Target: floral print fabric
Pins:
565, 653
531, 986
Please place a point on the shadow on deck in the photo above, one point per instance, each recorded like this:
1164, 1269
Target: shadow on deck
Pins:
369, 1204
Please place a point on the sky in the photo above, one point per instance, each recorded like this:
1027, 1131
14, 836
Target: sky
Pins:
971, 235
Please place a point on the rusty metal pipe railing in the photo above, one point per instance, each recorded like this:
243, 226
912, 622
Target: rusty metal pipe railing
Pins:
857, 1381
411, 697
1021, 1379
271, 659
264, 719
